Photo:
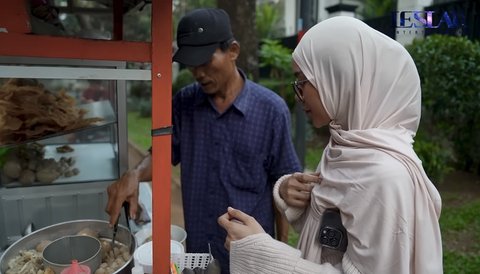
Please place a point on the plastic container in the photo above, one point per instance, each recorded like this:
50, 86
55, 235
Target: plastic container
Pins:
191, 260
177, 233
143, 254
143, 257
176, 247
137, 270
75, 268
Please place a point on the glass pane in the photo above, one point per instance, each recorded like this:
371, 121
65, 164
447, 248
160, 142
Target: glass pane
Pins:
58, 131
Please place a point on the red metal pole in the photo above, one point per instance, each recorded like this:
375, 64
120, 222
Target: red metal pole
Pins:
14, 17
30, 45
161, 145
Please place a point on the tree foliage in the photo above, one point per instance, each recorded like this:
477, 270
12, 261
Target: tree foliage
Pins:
278, 59
266, 19
181, 7
242, 17
450, 77
378, 8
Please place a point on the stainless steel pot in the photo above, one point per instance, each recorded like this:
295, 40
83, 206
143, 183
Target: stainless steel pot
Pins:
56, 231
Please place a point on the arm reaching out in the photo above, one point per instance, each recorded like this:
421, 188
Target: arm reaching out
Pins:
254, 251
238, 225
126, 189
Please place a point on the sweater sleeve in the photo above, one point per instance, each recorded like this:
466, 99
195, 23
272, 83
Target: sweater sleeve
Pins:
294, 215
260, 253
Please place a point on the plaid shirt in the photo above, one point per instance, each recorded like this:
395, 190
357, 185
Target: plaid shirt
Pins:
229, 159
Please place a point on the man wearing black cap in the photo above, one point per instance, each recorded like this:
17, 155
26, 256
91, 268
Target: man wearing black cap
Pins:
231, 135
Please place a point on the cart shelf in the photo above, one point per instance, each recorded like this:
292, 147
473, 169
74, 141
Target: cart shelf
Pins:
101, 109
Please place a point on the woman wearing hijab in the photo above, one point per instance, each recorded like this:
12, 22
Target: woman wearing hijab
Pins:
365, 86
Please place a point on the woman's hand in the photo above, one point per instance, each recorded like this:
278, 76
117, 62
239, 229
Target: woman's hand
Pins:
296, 190
238, 225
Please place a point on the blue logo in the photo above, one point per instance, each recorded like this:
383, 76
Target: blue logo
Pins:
417, 21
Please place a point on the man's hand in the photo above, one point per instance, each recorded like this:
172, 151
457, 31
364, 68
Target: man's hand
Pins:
297, 189
125, 189
238, 225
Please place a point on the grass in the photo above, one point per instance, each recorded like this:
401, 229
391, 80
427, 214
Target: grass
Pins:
460, 225
139, 133
312, 157
459, 222
139, 129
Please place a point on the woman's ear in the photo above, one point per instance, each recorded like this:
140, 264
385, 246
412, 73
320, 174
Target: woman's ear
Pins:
234, 50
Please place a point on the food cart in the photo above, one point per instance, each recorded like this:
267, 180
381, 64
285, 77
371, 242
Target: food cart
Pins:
100, 147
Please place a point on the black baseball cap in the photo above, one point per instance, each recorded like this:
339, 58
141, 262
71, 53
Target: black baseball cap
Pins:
199, 34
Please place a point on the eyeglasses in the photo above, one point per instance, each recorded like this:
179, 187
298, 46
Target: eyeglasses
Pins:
297, 87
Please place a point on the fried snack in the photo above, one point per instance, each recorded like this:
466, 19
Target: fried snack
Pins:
64, 149
29, 111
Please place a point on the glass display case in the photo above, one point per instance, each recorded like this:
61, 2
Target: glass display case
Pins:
44, 204
63, 139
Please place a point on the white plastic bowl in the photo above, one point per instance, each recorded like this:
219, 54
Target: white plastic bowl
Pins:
176, 247
176, 233
143, 257
143, 254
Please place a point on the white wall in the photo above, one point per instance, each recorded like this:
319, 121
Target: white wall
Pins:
290, 18
291, 12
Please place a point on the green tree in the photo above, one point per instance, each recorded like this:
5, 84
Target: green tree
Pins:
242, 17
181, 7
378, 8
450, 77
278, 59
266, 19
137, 24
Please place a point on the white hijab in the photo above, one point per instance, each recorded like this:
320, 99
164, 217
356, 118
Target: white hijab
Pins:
370, 88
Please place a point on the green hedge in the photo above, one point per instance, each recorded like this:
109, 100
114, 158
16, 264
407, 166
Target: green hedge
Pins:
450, 76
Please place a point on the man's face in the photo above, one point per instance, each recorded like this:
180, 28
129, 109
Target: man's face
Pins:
213, 76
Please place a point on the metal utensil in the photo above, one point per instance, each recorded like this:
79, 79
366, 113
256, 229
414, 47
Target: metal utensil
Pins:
68, 228
115, 229
28, 229
125, 206
59, 254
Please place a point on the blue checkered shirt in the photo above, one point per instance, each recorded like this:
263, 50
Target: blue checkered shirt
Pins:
229, 159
